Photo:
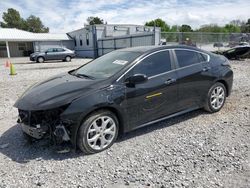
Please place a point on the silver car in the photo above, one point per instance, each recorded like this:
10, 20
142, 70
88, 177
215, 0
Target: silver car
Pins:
53, 54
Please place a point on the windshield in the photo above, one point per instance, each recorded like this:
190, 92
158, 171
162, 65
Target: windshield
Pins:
107, 65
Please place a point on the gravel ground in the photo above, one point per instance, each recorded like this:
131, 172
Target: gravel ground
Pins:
194, 150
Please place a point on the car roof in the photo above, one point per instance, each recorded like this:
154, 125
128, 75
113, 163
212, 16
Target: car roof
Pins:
149, 49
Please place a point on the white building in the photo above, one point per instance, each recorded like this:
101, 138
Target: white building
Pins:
16, 43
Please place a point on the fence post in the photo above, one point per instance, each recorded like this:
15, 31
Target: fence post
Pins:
95, 41
115, 43
102, 48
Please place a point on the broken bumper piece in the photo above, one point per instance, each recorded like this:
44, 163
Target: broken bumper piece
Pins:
35, 132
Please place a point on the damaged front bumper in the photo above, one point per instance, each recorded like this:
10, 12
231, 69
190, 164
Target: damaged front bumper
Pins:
45, 124
35, 132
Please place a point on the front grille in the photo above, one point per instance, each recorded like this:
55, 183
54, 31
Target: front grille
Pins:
33, 118
23, 117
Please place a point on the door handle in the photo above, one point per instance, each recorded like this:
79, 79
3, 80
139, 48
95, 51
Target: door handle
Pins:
205, 69
170, 81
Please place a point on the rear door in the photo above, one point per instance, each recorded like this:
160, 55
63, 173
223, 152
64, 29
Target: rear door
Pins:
155, 98
193, 77
61, 53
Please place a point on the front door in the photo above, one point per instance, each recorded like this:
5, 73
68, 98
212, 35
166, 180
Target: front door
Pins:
51, 54
155, 98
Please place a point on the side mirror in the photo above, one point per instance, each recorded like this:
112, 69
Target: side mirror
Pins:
136, 79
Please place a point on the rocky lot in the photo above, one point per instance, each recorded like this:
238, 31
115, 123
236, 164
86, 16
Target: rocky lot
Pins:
197, 149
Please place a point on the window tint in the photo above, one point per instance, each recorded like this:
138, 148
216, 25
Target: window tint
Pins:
186, 57
154, 64
60, 50
108, 64
80, 40
50, 50
75, 41
21, 46
87, 39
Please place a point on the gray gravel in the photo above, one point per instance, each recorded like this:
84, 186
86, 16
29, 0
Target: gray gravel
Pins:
194, 150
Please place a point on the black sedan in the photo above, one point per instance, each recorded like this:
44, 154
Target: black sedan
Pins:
122, 91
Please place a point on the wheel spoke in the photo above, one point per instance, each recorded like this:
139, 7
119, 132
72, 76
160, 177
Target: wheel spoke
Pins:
96, 126
217, 103
94, 138
213, 101
103, 142
221, 96
110, 130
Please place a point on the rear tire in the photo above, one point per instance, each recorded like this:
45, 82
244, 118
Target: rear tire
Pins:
98, 132
67, 58
216, 98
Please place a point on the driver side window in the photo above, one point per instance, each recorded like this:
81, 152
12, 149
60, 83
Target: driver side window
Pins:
50, 50
154, 64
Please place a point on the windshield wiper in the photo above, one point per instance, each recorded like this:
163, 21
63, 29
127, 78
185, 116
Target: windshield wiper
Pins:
85, 76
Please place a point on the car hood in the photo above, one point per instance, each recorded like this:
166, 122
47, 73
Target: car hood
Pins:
55, 92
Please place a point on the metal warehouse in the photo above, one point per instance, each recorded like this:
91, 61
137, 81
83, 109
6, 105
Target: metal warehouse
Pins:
96, 40
91, 41
17, 43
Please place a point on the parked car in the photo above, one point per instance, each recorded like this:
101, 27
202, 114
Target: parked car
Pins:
122, 91
53, 54
218, 44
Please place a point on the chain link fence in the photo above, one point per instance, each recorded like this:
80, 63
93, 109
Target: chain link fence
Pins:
206, 41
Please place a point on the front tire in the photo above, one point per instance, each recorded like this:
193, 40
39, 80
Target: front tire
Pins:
216, 98
40, 59
98, 132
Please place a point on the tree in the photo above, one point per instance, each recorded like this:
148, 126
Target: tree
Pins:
236, 22
34, 24
159, 23
94, 20
12, 19
245, 27
230, 28
185, 28
175, 28
212, 28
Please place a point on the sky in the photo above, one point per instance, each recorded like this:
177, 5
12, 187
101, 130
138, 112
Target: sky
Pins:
66, 15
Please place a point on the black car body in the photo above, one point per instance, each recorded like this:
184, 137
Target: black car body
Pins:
144, 90
238, 52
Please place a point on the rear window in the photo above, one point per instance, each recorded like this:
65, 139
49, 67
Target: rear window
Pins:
60, 50
187, 58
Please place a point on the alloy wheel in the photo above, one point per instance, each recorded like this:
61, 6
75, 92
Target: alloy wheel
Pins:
217, 97
101, 132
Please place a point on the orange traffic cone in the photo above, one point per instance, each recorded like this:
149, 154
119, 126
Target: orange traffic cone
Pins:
12, 69
7, 63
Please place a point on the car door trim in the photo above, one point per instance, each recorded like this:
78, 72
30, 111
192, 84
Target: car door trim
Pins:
167, 117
